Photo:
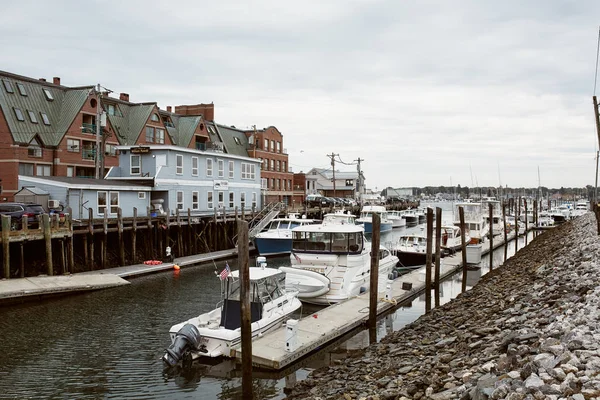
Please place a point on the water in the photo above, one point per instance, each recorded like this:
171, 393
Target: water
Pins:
108, 344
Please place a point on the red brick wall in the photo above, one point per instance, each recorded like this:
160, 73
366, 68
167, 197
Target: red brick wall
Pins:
206, 110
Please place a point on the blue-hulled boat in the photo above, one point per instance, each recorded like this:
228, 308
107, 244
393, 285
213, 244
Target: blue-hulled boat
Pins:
276, 238
366, 218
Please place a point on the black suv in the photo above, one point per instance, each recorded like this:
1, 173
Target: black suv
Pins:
18, 211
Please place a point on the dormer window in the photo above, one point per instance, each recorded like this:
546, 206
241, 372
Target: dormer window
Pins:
237, 140
111, 109
155, 118
19, 114
48, 95
45, 119
21, 88
34, 149
32, 116
8, 86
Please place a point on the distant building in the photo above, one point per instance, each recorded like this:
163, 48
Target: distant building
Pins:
319, 180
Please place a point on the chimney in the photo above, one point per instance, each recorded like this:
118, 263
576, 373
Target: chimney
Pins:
43, 79
124, 96
169, 108
56, 80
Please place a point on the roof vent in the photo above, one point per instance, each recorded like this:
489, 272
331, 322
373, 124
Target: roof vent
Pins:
43, 79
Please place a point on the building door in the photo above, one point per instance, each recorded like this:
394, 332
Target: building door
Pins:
161, 161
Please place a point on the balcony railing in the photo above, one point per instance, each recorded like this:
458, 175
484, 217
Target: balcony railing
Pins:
88, 128
88, 154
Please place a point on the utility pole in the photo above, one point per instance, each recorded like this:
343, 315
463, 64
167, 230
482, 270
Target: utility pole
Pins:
359, 180
332, 156
597, 119
98, 130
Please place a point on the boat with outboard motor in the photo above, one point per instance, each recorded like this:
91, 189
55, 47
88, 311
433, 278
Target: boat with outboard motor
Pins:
276, 238
215, 333
475, 223
331, 262
366, 218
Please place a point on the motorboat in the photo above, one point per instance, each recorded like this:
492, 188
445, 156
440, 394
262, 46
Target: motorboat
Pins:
560, 214
331, 262
475, 222
396, 218
411, 217
340, 217
581, 207
451, 239
497, 223
411, 250
366, 218
276, 238
215, 333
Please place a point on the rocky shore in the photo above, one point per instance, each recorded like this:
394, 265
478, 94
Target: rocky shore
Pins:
528, 330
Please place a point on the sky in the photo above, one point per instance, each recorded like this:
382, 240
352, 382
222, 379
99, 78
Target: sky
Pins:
425, 93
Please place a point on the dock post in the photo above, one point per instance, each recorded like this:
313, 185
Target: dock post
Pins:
179, 234
48, 239
428, 254
6, 245
374, 277
517, 212
104, 242
70, 246
526, 220
91, 233
246, 331
461, 213
189, 233
438, 241
161, 249
134, 237
215, 232
120, 233
505, 232
150, 233
63, 259
491, 217
22, 259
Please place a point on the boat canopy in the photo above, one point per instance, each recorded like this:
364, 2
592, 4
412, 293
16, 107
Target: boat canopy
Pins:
342, 242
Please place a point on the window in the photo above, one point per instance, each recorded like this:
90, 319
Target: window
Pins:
114, 202
195, 201
278, 165
231, 200
110, 150
154, 117
102, 202
221, 199
265, 164
272, 145
135, 167
248, 171
180, 200
32, 117
284, 169
42, 170
279, 147
272, 183
209, 200
179, 170
111, 109
160, 136
21, 88
243, 200
194, 166
278, 181
149, 134
209, 167
48, 95
221, 166
70, 172
26, 169
8, 86
237, 140
45, 118
266, 144
272, 165
19, 114
73, 146
349, 182
253, 199
231, 169
34, 149
141, 195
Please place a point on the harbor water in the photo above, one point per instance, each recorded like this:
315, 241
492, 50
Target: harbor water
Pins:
108, 344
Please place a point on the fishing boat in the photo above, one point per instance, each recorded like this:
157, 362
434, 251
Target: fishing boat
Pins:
331, 262
451, 239
411, 250
396, 218
276, 238
475, 222
411, 217
215, 333
366, 218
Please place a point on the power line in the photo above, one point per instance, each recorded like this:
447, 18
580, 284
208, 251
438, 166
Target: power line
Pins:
597, 52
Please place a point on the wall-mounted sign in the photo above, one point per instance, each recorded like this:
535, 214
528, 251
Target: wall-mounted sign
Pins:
140, 150
221, 185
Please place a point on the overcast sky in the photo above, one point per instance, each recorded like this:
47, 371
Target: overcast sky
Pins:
425, 92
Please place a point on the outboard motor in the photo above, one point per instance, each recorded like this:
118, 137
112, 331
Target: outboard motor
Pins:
187, 338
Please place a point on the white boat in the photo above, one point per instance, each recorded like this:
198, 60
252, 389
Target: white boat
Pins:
451, 239
331, 262
497, 223
560, 214
580, 209
397, 220
411, 217
215, 333
411, 250
475, 223
276, 238
366, 218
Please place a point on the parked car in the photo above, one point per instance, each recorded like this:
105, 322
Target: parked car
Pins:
313, 200
18, 211
328, 202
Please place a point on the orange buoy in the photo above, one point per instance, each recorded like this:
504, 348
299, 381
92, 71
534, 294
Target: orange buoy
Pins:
176, 267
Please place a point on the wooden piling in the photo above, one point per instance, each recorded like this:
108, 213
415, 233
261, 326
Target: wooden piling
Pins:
91, 233
491, 217
70, 244
48, 240
526, 220
505, 231
517, 211
438, 241
179, 235
6, 245
63, 259
374, 277
104, 237
120, 236
149, 233
428, 263
246, 331
22, 259
461, 213
189, 232
134, 237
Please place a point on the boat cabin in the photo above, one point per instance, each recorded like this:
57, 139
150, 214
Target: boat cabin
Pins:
342, 239
340, 218
266, 285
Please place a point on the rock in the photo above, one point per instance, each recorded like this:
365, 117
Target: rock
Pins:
533, 382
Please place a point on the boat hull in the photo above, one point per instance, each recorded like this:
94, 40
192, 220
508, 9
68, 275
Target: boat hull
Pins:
383, 227
273, 246
411, 221
411, 259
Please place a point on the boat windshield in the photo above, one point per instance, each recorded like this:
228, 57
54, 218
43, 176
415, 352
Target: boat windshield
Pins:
261, 290
327, 242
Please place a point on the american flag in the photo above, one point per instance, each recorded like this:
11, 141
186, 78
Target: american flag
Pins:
297, 258
225, 273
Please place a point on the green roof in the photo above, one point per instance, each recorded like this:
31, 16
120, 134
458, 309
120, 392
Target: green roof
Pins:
183, 130
234, 140
128, 126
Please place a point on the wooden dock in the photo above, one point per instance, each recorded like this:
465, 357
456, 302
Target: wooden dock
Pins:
328, 324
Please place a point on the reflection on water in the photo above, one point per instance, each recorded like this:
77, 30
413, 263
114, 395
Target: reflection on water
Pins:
108, 344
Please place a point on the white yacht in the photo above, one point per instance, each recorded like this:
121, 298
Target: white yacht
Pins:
276, 238
397, 220
366, 218
475, 222
580, 208
451, 239
331, 262
213, 334
497, 223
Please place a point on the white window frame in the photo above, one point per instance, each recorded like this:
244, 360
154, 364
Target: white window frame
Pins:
45, 170
70, 171
210, 200
141, 195
194, 166
111, 205
243, 200
267, 144
209, 167
248, 171
179, 199
254, 200
221, 168
179, 162
98, 206
135, 170
220, 199
232, 200
159, 135
231, 169
195, 204
73, 145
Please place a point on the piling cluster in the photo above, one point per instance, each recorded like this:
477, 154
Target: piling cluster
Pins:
528, 330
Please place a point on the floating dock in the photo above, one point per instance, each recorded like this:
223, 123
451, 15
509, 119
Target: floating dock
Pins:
269, 351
